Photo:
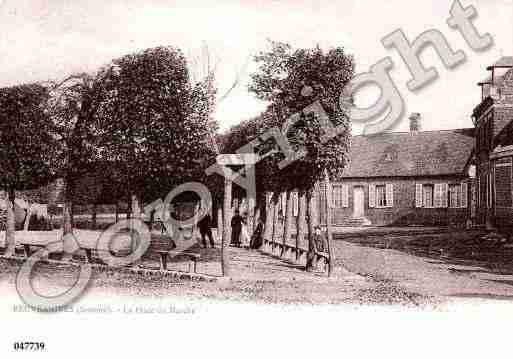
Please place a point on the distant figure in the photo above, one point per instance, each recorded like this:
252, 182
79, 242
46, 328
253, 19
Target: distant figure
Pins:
256, 238
237, 222
320, 240
205, 230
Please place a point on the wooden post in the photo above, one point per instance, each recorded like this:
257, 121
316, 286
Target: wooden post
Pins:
276, 217
219, 223
269, 217
287, 226
227, 229
312, 222
300, 224
10, 229
327, 197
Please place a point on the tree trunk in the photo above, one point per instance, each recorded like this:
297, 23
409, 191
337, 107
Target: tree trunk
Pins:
276, 219
269, 216
327, 196
136, 215
219, 223
287, 227
67, 213
194, 228
312, 222
67, 210
301, 221
26, 222
10, 229
128, 207
227, 229
93, 217
117, 212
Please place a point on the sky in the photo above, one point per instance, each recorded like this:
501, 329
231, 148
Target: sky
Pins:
42, 40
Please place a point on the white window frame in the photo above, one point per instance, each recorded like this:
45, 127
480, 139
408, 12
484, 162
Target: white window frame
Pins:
378, 199
432, 187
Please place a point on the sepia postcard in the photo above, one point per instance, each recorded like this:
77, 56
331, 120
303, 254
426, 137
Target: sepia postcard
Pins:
256, 178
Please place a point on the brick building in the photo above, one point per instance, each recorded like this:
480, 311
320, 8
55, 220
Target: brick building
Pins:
405, 178
493, 119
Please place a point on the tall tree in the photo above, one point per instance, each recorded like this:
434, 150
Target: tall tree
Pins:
27, 145
153, 122
72, 107
308, 83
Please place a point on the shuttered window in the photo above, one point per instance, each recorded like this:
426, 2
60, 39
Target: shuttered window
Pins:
381, 196
455, 195
336, 196
441, 198
428, 192
372, 196
345, 195
418, 195
340, 196
445, 189
464, 195
390, 195
503, 188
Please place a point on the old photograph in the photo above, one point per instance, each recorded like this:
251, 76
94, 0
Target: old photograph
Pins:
256, 178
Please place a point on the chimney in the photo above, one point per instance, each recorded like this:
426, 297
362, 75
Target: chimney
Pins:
414, 122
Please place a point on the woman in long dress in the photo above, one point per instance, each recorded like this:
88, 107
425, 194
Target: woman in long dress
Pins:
244, 235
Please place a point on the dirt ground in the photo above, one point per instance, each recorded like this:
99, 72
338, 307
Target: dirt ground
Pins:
255, 277
474, 273
365, 273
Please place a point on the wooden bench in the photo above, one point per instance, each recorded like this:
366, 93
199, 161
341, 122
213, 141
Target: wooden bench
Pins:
193, 258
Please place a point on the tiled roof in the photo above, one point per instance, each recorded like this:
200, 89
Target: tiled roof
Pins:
426, 153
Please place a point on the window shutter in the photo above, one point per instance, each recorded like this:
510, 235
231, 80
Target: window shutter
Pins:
345, 196
464, 195
438, 195
444, 188
418, 195
372, 195
295, 201
390, 194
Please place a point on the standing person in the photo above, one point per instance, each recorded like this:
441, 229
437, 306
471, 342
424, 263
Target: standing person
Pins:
320, 240
244, 235
205, 230
237, 221
256, 238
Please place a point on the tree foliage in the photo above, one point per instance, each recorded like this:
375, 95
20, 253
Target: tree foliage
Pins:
153, 121
27, 142
292, 80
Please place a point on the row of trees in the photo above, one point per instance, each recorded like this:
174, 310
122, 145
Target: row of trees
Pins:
136, 129
291, 80
141, 126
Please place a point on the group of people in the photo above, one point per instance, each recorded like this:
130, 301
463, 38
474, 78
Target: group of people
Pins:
240, 235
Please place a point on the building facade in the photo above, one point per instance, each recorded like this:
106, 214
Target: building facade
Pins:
493, 119
408, 178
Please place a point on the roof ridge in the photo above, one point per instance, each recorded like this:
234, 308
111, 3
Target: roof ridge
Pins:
417, 133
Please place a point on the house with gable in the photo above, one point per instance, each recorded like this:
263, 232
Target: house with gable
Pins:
406, 178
